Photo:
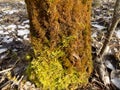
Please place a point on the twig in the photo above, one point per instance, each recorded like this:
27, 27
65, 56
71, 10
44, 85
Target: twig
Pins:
99, 83
5, 84
17, 82
9, 69
6, 70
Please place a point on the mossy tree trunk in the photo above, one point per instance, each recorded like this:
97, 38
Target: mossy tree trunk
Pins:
60, 33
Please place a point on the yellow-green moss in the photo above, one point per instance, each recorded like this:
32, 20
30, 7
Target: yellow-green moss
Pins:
48, 72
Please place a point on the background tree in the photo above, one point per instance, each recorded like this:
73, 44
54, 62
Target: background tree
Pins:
60, 34
100, 66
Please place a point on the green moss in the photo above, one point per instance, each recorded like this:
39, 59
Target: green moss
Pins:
66, 40
47, 70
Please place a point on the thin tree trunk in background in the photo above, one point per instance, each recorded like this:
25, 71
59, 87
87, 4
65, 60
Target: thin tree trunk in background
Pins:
61, 29
101, 68
115, 21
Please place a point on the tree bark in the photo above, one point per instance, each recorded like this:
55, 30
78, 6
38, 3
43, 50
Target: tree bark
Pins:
60, 30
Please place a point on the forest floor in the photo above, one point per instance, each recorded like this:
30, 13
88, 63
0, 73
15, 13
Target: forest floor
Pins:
15, 46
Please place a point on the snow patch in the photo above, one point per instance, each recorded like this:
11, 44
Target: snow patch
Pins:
1, 15
7, 39
10, 11
27, 26
118, 33
24, 22
99, 27
13, 26
23, 32
1, 32
21, 27
3, 50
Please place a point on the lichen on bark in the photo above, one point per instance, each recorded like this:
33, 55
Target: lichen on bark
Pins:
60, 34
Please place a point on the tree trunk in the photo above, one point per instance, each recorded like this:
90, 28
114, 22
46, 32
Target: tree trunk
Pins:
60, 34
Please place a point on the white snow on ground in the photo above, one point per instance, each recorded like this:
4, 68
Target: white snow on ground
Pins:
12, 26
118, 33
1, 32
2, 26
27, 21
21, 27
99, 27
3, 50
7, 39
10, 11
27, 26
6, 33
1, 15
23, 32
